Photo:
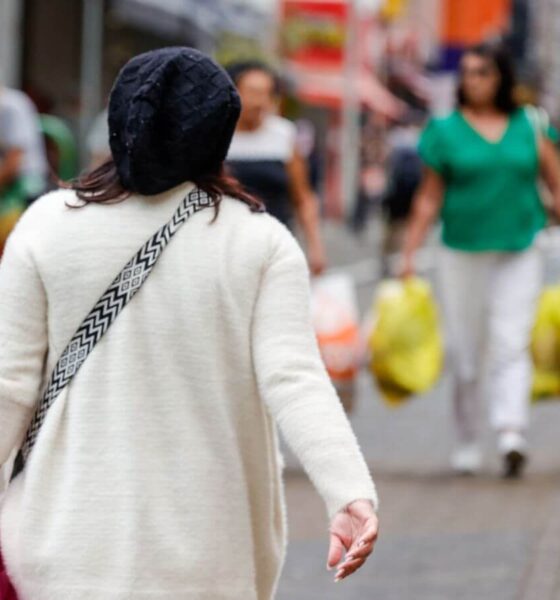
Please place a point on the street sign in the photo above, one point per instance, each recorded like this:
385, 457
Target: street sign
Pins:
314, 32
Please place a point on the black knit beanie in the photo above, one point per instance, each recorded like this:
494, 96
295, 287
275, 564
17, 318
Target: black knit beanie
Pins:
172, 114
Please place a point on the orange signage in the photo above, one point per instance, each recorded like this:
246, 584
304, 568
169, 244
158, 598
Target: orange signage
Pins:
468, 22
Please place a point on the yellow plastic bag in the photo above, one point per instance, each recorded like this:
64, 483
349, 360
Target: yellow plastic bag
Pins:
406, 343
545, 345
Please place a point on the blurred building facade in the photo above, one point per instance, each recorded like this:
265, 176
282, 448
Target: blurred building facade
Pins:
373, 63
10, 41
66, 53
545, 51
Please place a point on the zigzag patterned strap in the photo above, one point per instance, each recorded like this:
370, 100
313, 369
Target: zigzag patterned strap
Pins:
104, 313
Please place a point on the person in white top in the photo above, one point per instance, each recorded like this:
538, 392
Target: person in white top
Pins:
156, 473
264, 156
22, 150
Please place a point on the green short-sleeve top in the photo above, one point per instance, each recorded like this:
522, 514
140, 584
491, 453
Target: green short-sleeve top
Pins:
491, 201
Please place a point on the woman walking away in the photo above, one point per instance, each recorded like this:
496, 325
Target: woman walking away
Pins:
265, 158
155, 473
482, 164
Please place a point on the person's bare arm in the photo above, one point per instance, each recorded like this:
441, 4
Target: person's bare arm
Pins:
10, 166
425, 210
550, 169
307, 212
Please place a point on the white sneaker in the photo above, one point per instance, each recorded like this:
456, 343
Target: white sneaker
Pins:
467, 459
513, 448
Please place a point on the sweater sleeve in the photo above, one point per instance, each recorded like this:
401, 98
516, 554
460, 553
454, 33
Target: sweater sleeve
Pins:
295, 385
23, 342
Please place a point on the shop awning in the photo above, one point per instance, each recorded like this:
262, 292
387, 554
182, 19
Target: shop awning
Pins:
173, 17
327, 88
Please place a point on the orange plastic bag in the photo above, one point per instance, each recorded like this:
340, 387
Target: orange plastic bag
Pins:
335, 318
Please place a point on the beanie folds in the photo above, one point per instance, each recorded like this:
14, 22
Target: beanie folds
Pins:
172, 115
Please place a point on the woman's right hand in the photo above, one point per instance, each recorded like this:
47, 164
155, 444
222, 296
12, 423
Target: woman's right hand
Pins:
407, 268
353, 530
425, 210
317, 259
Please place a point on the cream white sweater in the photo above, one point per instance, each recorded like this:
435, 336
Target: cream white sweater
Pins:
157, 475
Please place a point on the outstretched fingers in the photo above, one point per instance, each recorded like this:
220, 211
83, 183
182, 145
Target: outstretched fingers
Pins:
348, 567
361, 549
371, 531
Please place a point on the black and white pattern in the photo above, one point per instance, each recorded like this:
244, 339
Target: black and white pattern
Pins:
104, 313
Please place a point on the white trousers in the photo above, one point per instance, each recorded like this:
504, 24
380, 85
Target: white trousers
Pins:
489, 302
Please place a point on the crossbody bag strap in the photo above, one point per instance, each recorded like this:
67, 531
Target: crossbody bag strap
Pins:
124, 287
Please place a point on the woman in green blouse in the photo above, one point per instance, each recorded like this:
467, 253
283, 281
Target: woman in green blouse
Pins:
482, 166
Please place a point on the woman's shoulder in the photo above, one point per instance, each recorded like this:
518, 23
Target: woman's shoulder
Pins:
45, 212
444, 122
274, 140
282, 135
52, 203
529, 116
441, 129
280, 126
265, 233
238, 214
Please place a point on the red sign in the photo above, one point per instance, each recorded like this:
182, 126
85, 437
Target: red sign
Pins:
314, 32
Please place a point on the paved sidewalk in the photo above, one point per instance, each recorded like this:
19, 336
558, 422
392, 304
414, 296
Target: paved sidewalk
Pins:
442, 537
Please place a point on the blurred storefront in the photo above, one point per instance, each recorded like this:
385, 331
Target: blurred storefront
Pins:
393, 45
545, 51
328, 50
468, 23
314, 50
353, 66
73, 49
405, 56
10, 41
201, 23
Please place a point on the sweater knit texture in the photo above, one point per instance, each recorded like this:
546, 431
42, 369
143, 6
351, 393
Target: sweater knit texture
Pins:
157, 475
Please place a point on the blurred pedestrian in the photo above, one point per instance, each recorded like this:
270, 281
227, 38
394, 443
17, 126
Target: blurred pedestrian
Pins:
404, 173
23, 163
156, 474
264, 156
483, 163
306, 144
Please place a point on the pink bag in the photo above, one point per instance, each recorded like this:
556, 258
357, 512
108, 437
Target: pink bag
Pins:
7, 591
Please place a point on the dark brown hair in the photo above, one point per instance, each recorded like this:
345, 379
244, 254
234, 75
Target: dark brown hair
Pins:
501, 59
103, 186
